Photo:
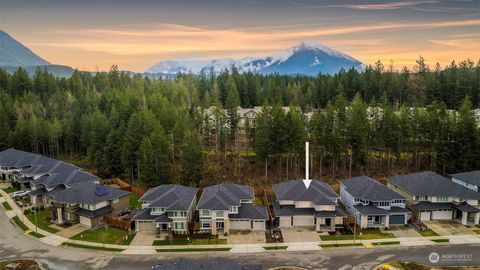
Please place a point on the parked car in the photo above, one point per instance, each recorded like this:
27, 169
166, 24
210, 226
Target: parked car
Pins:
123, 212
19, 193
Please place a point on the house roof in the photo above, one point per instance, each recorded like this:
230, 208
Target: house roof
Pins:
90, 193
472, 177
206, 264
250, 211
366, 188
222, 196
370, 210
170, 197
96, 213
465, 207
427, 206
318, 193
290, 210
144, 214
431, 184
162, 218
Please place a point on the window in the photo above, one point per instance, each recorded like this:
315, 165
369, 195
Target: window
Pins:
205, 224
205, 213
234, 209
442, 199
68, 216
370, 218
383, 204
180, 214
219, 213
114, 201
179, 226
158, 210
398, 201
87, 206
421, 198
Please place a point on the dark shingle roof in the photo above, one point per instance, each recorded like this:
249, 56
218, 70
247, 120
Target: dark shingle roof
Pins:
87, 193
371, 210
431, 184
318, 193
96, 213
144, 214
366, 188
170, 197
206, 264
465, 207
472, 177
162, 218
250, 211
290, 210
427, 206
222, 196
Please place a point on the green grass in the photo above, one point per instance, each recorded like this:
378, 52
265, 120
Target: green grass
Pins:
129, 239
341, 245
7, 206
365, 236
476, 231
42, 221
441, 240
184, 241
428, 233
275, 247
9, 189
93, 247
387, 243
134, 203
103, 235
257, 201
271, 199
193, 249
19, 223
37, 235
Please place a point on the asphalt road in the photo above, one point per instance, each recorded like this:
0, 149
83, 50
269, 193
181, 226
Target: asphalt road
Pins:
13, 244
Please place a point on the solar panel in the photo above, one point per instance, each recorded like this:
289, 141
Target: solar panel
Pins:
101, 190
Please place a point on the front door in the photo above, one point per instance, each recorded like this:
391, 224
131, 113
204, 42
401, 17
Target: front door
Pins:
328, 222
219, 224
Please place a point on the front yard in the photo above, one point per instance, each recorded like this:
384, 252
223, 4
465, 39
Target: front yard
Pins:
105, 235
365, 236
134, 203
9, 189
42, 220
427, 233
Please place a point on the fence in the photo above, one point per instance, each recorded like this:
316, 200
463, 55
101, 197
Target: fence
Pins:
117, 223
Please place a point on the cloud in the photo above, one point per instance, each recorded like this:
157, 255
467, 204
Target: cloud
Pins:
386, 6
457, 43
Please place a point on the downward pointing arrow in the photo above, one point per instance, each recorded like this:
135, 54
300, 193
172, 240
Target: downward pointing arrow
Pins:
307, 183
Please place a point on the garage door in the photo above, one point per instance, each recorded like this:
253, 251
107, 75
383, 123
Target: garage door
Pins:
397, 219
145, 226
285, 222
85, 221
239, 224
441, 214
258, 225
425, 215
303, 221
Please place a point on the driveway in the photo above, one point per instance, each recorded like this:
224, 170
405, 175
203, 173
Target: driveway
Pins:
292, 235
72, 230
144, 239
246, 237
402, 232
448, 227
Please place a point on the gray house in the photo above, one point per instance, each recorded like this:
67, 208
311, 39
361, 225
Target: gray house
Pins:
316, 207
373, 204
226, 207
166, 208
469, 180
434, 197
41, 175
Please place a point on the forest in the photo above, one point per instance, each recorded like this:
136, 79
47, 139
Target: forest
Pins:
154, 131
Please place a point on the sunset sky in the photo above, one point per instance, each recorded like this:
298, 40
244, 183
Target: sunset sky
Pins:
94, 34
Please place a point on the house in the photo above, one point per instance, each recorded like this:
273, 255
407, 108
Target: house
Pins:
40, 175
373, 204
316, 206
433, 197
166, 208
206, 264
227, 206
469, 180
87, 204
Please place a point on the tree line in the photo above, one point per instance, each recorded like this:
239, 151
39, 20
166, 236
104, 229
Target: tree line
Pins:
156, 131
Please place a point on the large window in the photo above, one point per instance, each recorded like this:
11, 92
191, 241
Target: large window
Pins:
234, 209
205, 213
442, 199
87, 206
179, 226
383, 204
421, 198
205, 224
158, 210
180, 214
219, 213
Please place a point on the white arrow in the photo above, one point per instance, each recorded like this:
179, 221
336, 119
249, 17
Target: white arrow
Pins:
307, 181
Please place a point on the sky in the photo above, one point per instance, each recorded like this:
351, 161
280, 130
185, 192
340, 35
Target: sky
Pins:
95, 34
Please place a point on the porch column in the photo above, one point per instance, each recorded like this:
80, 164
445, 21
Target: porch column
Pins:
317, 226
59, 216
476, 219
464, 217
226, 225
213, 226
387, 221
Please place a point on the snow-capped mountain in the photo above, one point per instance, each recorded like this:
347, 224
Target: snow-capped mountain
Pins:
306, 59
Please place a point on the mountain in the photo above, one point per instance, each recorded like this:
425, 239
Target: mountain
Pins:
14, 54
305, 59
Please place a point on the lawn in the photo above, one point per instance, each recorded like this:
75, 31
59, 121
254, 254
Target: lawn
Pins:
365, 236
9, 189
476, 231
441, 240
7, 206
93, 247
134, 203
19, 223
258, 201
184, 241
193, 249
388, 243
37, 235
341, 245
104, 235
428, 233
275, 247
42, 220
271, 199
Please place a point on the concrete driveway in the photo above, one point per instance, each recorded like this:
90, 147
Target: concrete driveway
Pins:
292, 235
401, 232
144, 239
448, 227
246, 237
72, 230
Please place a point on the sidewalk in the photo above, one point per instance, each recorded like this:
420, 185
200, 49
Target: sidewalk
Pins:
56, 240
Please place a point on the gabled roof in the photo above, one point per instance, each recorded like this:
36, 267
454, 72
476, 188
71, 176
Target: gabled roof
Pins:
366, 188
427, 206
222, 196
431, 184
16, 158
318, 193
95, 213
170, 197
250, 211
290, 210
465, 207
89, 193
472, 177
